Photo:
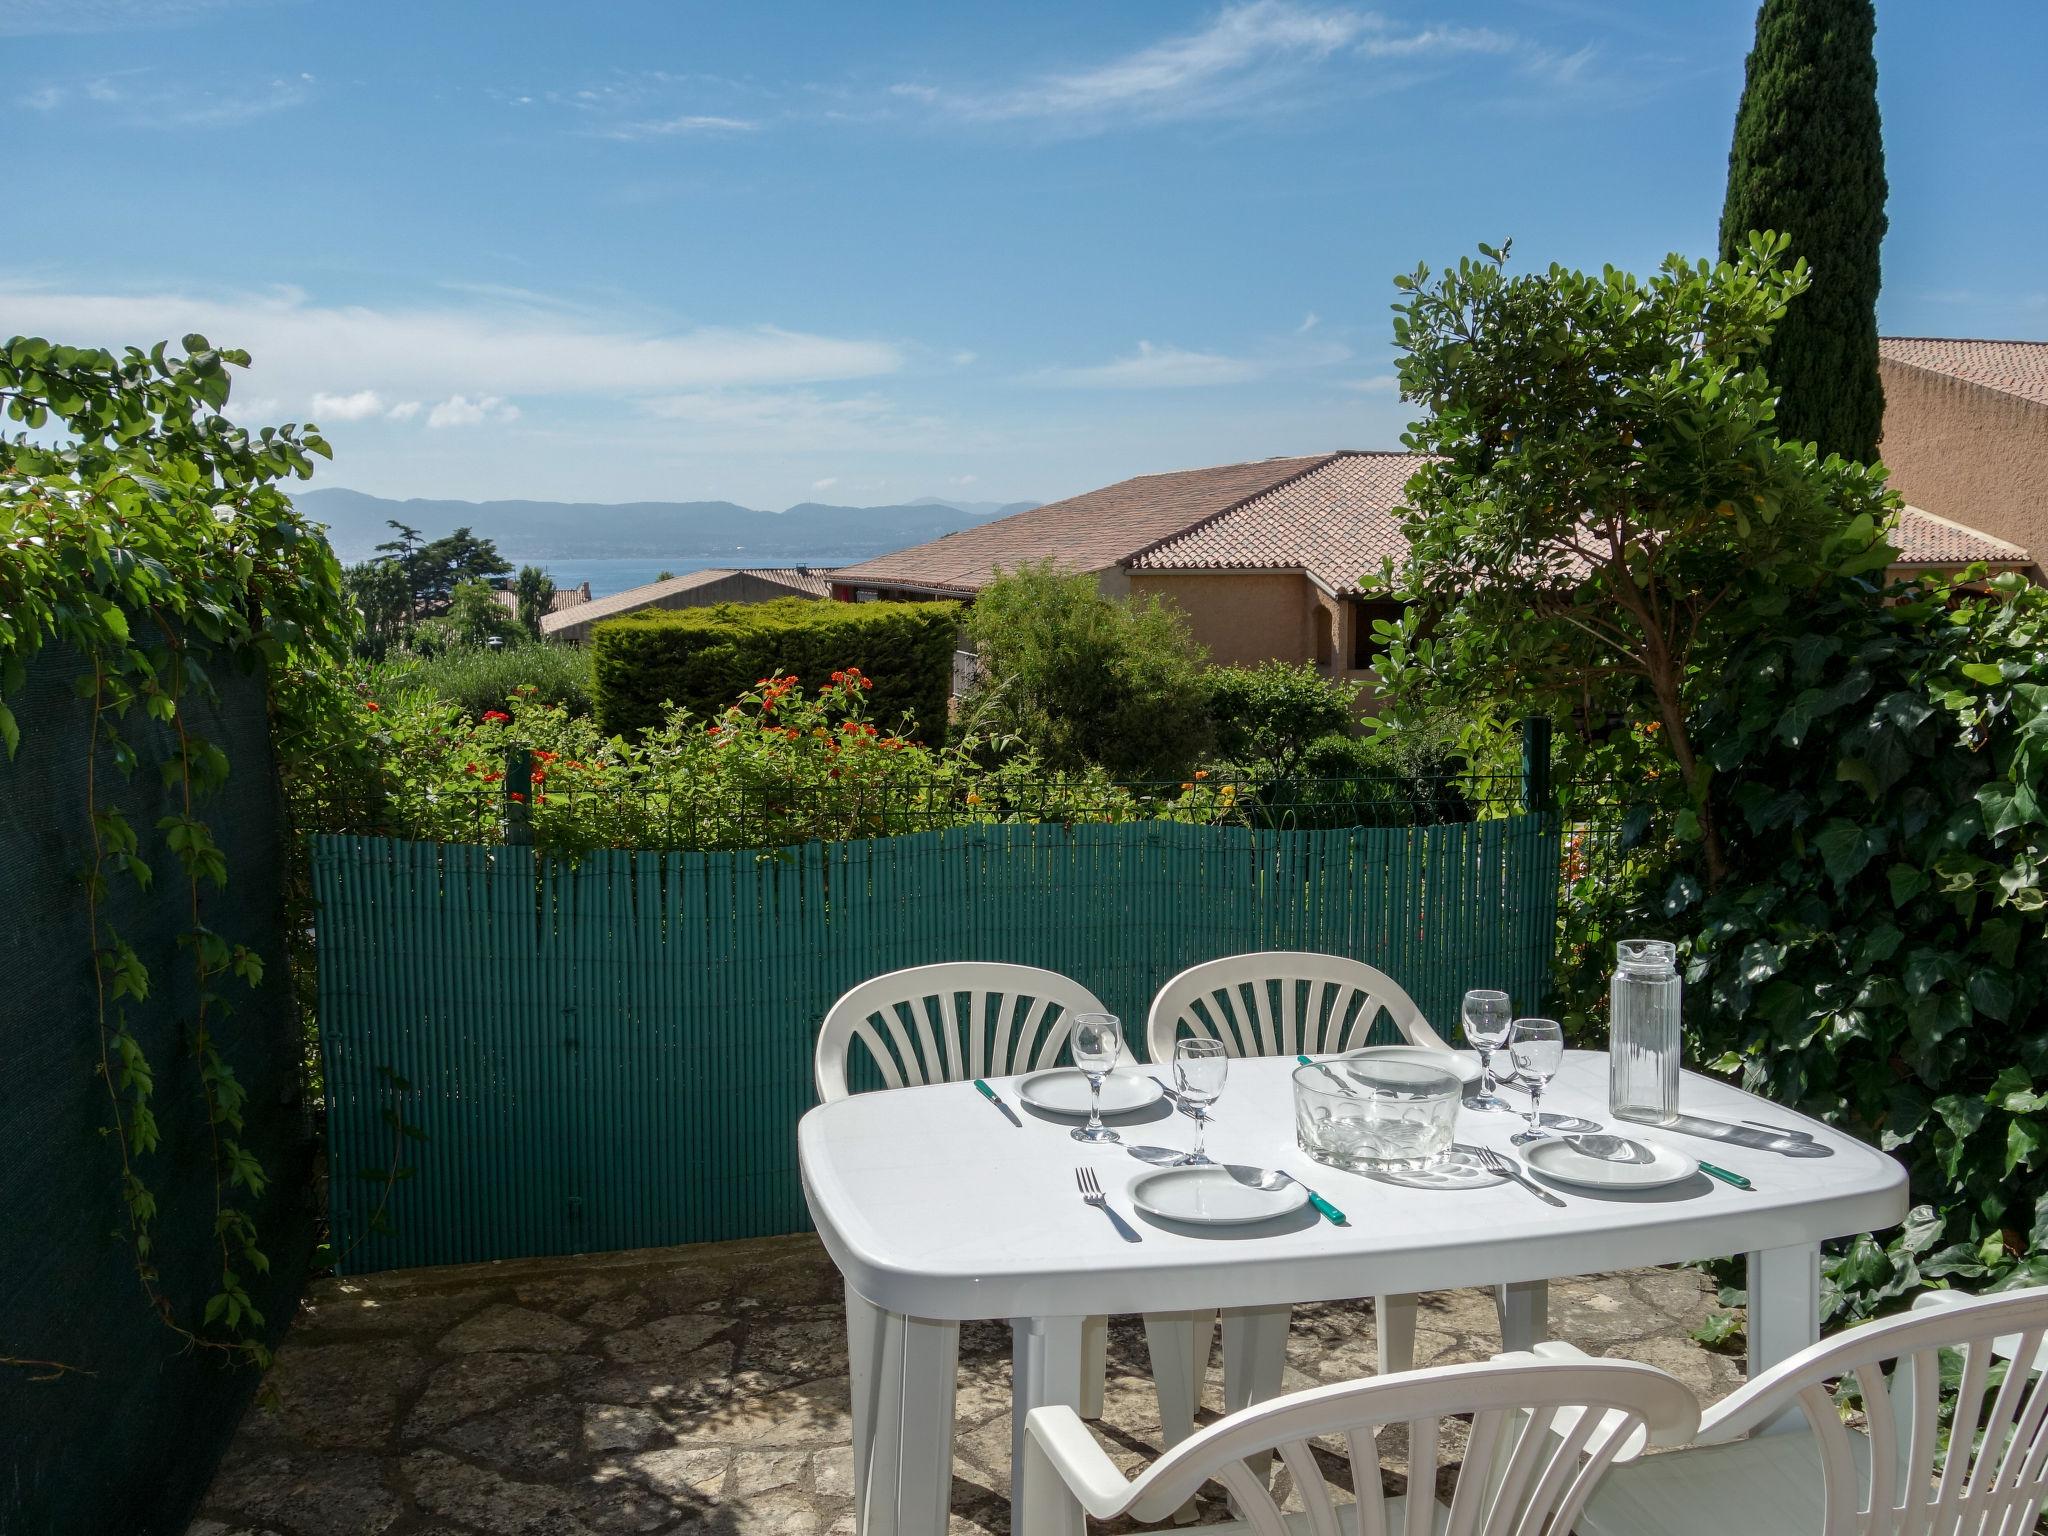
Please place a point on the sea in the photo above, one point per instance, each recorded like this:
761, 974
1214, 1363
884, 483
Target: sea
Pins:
618, 575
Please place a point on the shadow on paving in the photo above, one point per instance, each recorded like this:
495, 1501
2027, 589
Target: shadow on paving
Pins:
704, 1390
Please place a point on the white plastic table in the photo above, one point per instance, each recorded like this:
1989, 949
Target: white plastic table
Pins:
936, 1210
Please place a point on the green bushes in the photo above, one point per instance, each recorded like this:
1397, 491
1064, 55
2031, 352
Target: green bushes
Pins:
701, 659
475, 678
1087, 679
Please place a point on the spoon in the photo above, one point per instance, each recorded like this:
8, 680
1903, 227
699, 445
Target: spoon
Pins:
1611, 1149
1278, 1179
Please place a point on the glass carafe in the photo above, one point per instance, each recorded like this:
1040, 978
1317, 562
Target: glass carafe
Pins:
1643, 1034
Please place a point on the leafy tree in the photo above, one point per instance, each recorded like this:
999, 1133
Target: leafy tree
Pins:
379, 592
1081, 678
1808, 159
664, 575
1608, 506
1267, 717
404, 552
478, 618
445, 563
536, 591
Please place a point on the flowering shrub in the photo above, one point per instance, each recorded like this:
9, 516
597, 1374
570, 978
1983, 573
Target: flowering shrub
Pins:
778, 766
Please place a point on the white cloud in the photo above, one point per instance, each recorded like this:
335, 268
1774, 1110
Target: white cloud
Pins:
1171, 367
141, 102
360, 406
416, 353
792, 421
462, 411
1250, 57
825, 484
1309, 322
1378, 384
689, 123
964, 479
405, 410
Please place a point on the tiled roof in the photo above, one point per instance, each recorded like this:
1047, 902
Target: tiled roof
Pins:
816, 580
565, 597
1083, 533
794, 582
1336, 523
2010, 367
1924, 539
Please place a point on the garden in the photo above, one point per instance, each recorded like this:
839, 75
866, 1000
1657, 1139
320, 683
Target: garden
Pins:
1824, 788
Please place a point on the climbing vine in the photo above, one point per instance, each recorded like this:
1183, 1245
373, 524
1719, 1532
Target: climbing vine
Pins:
148, 534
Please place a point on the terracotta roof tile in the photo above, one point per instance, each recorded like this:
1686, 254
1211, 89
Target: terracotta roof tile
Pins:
1924, 539
1083, 533
1336, 523
2010, 367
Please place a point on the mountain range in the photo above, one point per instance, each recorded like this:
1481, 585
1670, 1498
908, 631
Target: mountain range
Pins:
657, 530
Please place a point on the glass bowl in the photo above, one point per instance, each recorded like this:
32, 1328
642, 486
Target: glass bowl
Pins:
1376, 1116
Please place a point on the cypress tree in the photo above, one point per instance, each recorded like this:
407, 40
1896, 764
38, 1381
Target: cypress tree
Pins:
1808, 160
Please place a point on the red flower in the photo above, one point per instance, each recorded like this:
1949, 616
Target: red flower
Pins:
469, 767
513, 794
498, 715
545, 756
711, 730
372, 706
492, 778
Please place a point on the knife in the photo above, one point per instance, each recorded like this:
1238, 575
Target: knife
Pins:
995, 1098
1726, 1177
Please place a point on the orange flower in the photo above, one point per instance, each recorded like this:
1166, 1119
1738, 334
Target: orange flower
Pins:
1201, 773
372, 706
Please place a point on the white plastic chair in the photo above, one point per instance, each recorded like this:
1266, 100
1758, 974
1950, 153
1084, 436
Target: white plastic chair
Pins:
951, 1023
1289, 1003
1542, 1434
1893, 1476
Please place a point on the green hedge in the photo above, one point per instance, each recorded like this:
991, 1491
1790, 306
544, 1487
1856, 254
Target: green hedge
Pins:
701, 659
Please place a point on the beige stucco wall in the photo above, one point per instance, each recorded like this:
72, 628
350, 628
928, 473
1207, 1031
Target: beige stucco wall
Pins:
1243, 617
1970, 454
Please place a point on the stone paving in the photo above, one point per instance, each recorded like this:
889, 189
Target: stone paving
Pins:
682, 1391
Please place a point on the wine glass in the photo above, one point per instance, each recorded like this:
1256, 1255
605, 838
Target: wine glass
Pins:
1199, 1070
1098, 1041
1537, 1050
1488, 1018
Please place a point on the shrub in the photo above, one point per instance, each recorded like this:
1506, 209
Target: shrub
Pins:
476, 678
701, 659
1087, 679
1266, 717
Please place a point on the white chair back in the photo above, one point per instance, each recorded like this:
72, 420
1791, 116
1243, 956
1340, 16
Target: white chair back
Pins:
1541, 1435
1282, 1003
1985, 1474
948, 1023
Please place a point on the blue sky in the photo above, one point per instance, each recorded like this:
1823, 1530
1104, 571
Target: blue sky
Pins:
863, 253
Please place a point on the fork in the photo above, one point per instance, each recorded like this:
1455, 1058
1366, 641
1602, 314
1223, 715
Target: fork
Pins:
1493, 1162
1091, 1191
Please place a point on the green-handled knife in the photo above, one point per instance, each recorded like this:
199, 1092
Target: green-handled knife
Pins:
997, 1099
1324, 1068
1726, 1177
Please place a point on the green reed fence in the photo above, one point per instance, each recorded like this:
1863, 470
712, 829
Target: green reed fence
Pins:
615, 1053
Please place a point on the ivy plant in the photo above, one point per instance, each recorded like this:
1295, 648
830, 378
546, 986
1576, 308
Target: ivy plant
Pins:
150, 535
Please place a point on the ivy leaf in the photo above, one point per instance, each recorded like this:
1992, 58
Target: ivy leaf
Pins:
1906, 882
1845, 848
1982, 672
1992, 994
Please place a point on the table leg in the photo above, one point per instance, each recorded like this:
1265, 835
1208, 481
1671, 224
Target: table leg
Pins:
1254, 1356
1784, 1313
1393, 1319
1045, 1368
1524, 1313
901, 1371
1094, 1365
1178, 1343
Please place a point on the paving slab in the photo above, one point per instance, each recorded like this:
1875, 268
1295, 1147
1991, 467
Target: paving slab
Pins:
673, 1392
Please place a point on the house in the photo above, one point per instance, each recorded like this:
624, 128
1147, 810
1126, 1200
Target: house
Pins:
699, 589
1266, 559
565, 597
1966, 437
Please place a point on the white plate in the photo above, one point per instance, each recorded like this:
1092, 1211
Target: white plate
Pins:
1559, 1160
1463, 1063
1064, 1091
1206, 1195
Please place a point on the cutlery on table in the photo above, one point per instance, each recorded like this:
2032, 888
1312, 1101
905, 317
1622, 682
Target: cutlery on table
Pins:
1611, 1149
1280, 1178
1324, 1068
996, 1099
1091, 1191
1493, 1162
1734, 1179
